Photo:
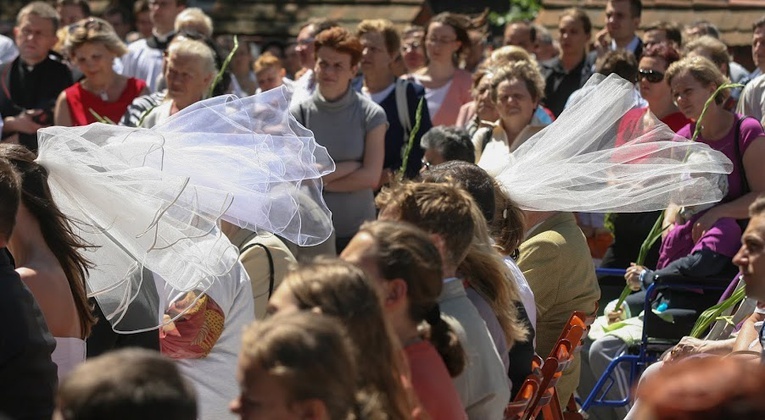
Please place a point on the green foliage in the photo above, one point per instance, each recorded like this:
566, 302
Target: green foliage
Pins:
519, 10
412, 135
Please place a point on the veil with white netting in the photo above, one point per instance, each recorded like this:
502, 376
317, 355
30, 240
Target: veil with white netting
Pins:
602, 155
149, 200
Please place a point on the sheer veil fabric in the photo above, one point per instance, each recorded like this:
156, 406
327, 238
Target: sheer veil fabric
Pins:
593, 159
149, 201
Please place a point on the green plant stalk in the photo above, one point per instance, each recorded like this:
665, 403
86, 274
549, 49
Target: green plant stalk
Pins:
219, 76
655, 232
412, 136
101, 119
712, 314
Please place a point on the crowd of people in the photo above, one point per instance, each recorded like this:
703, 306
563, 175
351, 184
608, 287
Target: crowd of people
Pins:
333, 227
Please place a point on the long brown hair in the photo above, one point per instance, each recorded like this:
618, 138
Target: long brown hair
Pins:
406, 252
55, 227
342, 290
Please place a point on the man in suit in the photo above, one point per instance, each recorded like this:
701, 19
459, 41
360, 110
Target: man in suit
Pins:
622, 21
556, 262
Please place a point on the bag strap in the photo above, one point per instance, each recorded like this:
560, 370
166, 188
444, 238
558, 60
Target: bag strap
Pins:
402, 105
740, 156
271, 278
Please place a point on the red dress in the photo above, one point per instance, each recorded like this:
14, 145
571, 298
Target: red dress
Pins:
81, 101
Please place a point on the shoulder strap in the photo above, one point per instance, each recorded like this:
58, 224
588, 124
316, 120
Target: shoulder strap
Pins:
739, 155
402, 105
270, 263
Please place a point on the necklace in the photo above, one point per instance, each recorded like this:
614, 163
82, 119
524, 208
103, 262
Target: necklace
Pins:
102, 93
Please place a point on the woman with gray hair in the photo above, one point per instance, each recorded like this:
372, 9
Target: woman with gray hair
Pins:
189, 71
103, 95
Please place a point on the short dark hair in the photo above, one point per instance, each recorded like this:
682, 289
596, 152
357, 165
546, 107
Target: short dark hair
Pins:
469, 176
82, 4
636, 7
127, 384
664, 52
124, 14
532, 28
759, 23
10, 196
671, 29
580, 15
705, 28
452, 143
621, 62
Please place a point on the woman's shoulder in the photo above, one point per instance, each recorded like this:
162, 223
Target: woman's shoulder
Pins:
463, 77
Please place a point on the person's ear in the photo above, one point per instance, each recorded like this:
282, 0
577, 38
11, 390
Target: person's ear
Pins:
395, 292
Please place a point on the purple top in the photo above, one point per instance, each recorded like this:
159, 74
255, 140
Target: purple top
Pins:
750, 130
724, 237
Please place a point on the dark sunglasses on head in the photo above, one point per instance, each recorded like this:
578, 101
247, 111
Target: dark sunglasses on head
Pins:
651, 75
90, 23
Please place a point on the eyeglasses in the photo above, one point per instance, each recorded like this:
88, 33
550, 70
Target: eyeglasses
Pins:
411, 46
91, 23
651, 75
433, 40
425, 164
306, 41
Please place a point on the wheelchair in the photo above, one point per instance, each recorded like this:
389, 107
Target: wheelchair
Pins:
648, 349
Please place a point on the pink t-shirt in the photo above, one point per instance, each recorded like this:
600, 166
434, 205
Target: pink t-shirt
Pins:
432, 383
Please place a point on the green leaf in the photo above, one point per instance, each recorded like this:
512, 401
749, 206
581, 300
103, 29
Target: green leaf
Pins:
410, 144
712, 314
219, 76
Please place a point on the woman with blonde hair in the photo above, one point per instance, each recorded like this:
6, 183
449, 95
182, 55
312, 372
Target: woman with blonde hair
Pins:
447, 87
102, 95
341, 290
299, 365
406, 265
489, 284
47, 256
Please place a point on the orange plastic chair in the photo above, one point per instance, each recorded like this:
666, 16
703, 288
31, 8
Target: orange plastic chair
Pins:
518, 408
552, 370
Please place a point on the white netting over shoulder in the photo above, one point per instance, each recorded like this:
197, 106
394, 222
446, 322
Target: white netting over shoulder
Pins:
149, 201
134, 218
605, 155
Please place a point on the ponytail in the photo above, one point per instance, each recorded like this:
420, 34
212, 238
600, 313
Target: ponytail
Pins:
445, 340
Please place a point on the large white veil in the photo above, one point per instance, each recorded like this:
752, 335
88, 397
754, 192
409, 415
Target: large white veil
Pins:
604, 155
150, 200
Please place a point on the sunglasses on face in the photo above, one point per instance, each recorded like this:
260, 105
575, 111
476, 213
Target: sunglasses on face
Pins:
651, 75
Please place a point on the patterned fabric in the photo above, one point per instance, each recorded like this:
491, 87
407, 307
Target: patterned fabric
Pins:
194, 333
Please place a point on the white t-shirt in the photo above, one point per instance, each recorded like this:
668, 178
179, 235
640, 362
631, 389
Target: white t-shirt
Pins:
435, 97
143, 62
527, 295
214, 376
379, 96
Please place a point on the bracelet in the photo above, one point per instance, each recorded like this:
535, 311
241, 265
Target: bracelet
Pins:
642, 276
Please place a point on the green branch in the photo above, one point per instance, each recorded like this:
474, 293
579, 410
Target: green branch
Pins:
412, 136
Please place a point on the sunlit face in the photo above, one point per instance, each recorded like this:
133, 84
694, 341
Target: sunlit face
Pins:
269, 78
750, 259
441, 42
619, 20
361, 251
519, 34
413, 51
93, 59
334, 71
375, 57
758, 47
262, 396
654, 93
484, 106
187, 80
515, 105
282, 300
655, 37
305, 47
573, 39
34, 37
690, 95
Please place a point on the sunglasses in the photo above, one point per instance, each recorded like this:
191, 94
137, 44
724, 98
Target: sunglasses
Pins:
650, 75
90, 23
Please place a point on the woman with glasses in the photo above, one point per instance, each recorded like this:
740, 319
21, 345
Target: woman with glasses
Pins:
413, 48
102, 95
447, 87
